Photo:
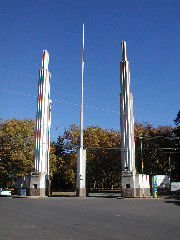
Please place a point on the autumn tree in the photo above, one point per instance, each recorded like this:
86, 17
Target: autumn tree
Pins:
176, 170
16, 147
52, 161
17, 142
153, 147
103, 156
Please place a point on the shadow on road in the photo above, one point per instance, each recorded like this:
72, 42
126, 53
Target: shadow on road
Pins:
63, 194
104, 194
176, 202
89, 196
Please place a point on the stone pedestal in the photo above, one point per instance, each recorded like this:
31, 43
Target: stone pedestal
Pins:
39, 184
135, 185
81, 173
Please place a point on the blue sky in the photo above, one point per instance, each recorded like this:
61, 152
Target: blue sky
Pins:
150, 28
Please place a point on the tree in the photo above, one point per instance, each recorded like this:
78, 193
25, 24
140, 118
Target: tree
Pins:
156, 142
64, 177
59, 147
17, 142
16, 147
176, 170
52, 161
177, 120
103, 156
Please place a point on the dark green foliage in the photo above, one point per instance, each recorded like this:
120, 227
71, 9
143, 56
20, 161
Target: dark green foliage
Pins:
177, 120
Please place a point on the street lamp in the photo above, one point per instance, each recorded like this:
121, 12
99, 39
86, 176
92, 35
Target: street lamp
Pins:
142, 159
142, 164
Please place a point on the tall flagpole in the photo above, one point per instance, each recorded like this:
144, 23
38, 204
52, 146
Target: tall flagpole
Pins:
82, 78
81, 154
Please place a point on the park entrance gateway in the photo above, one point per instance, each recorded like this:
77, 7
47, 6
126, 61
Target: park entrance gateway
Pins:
37, 183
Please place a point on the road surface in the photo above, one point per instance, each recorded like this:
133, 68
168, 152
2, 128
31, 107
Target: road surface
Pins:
91, 218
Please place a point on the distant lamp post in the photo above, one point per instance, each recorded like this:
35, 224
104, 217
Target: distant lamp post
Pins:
169, 165
142, 161
147, 139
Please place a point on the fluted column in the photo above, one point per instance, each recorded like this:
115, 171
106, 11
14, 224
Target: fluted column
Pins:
43, 118
127, 117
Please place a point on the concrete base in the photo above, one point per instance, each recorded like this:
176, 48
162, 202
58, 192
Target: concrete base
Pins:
39, 184
143, 192
81, 192
81, 173
128, 192
136, 185
38, 192
135, 192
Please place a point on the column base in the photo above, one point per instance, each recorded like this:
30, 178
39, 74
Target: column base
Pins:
128, 192
135, 192
39, 184
42, 192
81, 192
143, 192
136, 185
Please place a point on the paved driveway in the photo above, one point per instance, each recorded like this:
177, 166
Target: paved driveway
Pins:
90, 218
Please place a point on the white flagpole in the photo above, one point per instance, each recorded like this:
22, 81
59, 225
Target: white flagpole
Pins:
81, 154
82, 78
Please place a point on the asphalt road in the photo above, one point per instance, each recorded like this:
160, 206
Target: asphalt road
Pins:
88, 219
